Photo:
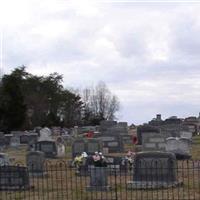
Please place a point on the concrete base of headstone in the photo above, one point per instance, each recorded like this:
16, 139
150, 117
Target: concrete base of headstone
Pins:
98, 179
151, 185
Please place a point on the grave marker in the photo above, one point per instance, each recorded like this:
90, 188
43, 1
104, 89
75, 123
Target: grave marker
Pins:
15, 141
13, 178
48, 147
179, 146
35, 162
112, 143
153, 142
154, 170
98, 179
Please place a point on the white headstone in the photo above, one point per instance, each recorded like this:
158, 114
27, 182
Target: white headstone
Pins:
178, 145
171, 144
45, 134
186, 134
60, 150
185, 145
15, 141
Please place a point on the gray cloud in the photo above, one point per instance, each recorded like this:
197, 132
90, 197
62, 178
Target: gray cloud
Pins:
147, 54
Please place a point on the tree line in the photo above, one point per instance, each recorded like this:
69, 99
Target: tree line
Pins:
28, 101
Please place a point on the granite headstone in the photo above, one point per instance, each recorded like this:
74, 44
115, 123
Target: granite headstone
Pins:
154, 170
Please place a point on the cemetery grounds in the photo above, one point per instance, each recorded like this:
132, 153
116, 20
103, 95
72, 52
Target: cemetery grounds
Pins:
63, 183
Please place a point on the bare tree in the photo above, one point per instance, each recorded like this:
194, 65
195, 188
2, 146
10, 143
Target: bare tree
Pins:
100, 103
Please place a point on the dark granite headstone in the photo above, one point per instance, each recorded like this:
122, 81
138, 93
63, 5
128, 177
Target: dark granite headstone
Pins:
2, 142
98, 179
24, 139
78, 147
154, 170
49, 147
112, 143
8, 139
105, 125
35, 162
86, 145
13, 178
93, 145
28, 138
145, 129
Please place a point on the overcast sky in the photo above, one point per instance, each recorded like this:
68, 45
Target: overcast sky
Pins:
148, 54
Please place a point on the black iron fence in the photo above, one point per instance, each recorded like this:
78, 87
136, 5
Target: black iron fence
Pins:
146, 180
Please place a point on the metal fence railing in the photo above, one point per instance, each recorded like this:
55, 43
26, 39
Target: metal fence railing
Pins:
57, 180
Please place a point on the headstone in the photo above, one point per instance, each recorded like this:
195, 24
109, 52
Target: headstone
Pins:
1, 134
68, 139
112, 143
153, 142
78, 147
35, 161
33, 138
17, 133
172, 130
98, 179
13, 178
86, 145
8, 139
123, 124
114, 165
185, 145
186, 134
172, 144
37, 129
127, 139
93, 145
154, 170
4, 159
179, 146
86, 129
28, 138
48, 147
60, 147
74, 131
45, 134
2, 142
60, 150
192, 128
15, 141
145, 129
106, 124
24, 139
60, 140
56, 130
120, 128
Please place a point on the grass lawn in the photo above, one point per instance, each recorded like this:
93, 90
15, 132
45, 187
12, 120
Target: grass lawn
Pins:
62, 183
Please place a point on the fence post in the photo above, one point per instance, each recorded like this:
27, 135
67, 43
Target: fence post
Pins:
116, 196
